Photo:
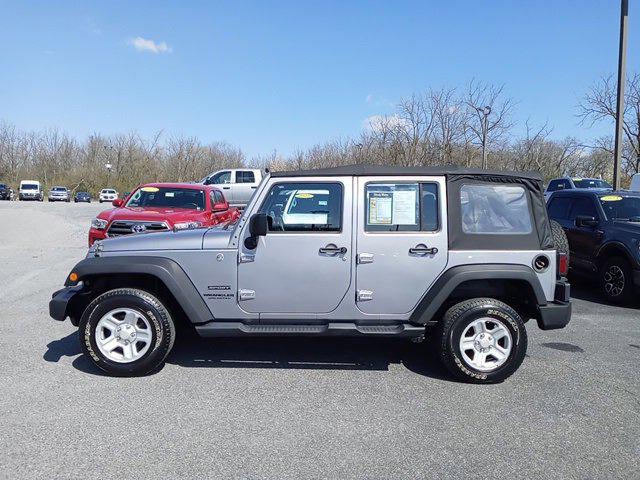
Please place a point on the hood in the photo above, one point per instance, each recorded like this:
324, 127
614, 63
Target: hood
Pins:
182, 240
632, 228
217, 237
150, 214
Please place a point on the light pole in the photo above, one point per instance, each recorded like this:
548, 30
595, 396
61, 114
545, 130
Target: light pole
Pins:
485, 112
107, 165
622, 65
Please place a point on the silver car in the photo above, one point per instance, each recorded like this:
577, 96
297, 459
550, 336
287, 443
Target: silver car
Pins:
461, 257
59, 194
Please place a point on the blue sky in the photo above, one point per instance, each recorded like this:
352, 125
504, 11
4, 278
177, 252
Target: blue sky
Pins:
287, 75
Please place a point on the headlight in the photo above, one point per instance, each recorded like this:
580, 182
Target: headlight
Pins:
187, 225
99, 224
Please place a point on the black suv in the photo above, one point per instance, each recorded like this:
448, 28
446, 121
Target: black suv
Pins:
5, 192
603, 229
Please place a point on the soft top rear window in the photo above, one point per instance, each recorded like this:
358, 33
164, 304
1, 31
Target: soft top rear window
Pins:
495, 209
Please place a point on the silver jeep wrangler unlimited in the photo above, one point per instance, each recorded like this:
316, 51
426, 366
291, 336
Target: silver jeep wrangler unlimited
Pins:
461, 257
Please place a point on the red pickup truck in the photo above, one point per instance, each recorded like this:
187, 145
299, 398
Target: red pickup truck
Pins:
157, 207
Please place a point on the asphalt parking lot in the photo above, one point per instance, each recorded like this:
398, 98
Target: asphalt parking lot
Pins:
298, 408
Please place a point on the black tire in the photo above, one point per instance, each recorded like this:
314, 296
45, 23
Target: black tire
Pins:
560, 240
616, 280
453, 325
163, 330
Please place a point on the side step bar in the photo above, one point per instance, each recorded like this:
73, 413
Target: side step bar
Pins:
233, 329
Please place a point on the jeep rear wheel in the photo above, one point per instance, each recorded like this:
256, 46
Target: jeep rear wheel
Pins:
616, 280
482, 340
127, 332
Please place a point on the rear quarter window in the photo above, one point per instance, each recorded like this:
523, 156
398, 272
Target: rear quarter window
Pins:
495, 209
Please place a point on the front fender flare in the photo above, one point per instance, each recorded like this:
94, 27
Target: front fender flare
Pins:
164, 269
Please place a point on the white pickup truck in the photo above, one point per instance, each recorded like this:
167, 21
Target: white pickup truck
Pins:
238, 185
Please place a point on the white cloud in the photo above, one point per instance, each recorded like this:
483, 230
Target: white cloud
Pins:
378, 123
146, 45
369, 98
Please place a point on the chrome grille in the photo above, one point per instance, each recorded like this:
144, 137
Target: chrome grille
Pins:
126, 227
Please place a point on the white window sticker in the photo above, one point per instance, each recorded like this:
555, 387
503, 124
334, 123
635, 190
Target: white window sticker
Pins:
380, 208
404, 207
169, 194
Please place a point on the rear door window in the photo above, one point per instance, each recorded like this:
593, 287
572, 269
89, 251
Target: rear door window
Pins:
401, 207
495, 209
582, 206
559, 208
245, 176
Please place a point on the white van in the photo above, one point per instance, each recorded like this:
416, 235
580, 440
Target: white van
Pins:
635, 182
30, 190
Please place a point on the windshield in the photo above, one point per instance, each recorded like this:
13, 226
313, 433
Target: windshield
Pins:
29, 186
590, 183
621, 208
59, 189
187, 198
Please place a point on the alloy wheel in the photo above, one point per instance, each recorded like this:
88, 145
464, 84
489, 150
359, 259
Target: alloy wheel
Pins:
485, 344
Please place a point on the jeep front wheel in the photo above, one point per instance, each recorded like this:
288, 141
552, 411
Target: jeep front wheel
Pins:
482, 340
127, 332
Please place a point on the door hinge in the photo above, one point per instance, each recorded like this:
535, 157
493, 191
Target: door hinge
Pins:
244, 294
364, 295
365, 258
246, 257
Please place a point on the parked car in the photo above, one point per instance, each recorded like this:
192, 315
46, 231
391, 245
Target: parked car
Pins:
238, 185
635, 182
157, 207
82, 197
568, 183
5, 192
107, 195
603, 230
461, 256
30, 190
59, 194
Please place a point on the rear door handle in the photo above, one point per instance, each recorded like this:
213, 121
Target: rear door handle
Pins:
332, 249
422, 249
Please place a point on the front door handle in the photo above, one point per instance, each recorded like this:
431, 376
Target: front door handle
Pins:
226, 188
332, 249
422, 249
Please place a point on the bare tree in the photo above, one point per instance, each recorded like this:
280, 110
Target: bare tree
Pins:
498, 123
599, 104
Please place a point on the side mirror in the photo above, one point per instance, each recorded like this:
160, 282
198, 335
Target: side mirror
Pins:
220, 207
117, 203
586, 221
258, 227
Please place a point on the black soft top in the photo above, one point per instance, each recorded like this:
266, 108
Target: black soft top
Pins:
361, 169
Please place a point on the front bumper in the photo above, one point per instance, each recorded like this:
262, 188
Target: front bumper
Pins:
59, 305
556, 314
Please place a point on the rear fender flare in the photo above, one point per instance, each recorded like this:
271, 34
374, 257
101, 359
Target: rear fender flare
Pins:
439, 292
